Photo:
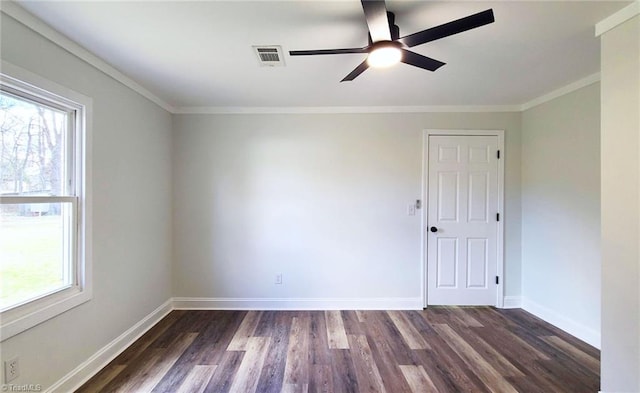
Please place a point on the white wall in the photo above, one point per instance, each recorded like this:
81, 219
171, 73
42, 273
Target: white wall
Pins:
131, 217
561, 212
321, 199
620, 367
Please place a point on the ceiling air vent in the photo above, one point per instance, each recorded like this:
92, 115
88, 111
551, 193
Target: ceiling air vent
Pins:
269, 56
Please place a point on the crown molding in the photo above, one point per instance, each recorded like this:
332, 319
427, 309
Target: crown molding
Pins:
245, 110
343, 109
13, 10
618, 18
579, 84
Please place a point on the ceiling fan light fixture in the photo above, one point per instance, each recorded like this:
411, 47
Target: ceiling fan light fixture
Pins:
384, 54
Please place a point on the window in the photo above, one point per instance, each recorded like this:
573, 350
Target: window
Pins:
44, 264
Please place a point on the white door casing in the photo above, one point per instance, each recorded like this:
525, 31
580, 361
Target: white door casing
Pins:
463, 193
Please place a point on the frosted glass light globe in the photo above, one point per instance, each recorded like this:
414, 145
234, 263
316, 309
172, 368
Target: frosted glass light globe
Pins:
385, 55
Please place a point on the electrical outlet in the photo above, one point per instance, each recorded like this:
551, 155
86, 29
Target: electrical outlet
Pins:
279, 278
11, 369
411, 209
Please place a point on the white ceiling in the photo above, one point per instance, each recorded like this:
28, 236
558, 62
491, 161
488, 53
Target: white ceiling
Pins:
199, 54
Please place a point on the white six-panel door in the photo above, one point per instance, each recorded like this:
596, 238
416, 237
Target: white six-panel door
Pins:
462, 226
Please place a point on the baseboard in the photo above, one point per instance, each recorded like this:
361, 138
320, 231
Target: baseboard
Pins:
560, 321
196, 303
81, 374
512, 302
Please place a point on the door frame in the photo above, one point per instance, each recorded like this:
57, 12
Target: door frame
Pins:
425, 197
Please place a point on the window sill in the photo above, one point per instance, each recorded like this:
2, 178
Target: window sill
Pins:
20, 319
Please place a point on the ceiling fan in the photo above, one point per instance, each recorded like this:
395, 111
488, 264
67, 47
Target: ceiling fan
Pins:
386, 47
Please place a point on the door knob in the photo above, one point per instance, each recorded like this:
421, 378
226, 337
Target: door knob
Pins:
434, 229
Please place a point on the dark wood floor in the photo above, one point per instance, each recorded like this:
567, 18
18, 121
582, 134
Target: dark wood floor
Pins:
441, 349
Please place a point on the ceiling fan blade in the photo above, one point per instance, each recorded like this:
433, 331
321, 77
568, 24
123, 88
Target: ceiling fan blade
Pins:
357, 71
328, 51
420, 61
447, 29
376, 14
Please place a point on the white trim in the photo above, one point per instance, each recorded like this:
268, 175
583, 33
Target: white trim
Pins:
21, 77
512, 302
18, 13
81, 374
41, 310
203, 303
423, 218
500, 236
584, 82
618, 18
560, 321
12, 200
216, 110
24, 317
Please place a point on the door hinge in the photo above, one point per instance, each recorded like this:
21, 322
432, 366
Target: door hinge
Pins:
497, 280
497, 216
498, 154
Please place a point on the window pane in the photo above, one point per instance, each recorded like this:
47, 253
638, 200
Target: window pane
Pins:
33, 141
35, 241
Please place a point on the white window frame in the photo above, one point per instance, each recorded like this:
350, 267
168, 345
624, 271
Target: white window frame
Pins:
16, 320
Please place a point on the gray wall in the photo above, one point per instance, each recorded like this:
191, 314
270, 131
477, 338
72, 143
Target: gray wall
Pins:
131, 217
321, 199
621, 208
561, 210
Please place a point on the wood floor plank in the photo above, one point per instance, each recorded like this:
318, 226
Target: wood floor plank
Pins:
545, 329
160, 362
295, 388
583, 358
510, 343
352, 324
560, 370
418, 379
343, 371
320, 378
248, 374
135, 378
448, 371
466, 349
206, 349
384, 327
216, 337
384, 357
336, 335
489, 353
367, 374
138, 347
522, 355
225, 372
319, 352
544, 367
169, 358
421, 324
197, 379
491, 378
296, 370
488, 317
411, 336
103, 378
182, 325
248, 326
278, 330
464, 317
